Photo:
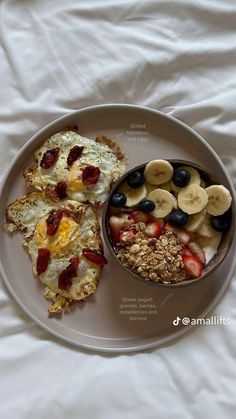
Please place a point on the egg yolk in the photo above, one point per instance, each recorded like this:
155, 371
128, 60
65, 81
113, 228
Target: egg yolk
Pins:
63, 240
74, 183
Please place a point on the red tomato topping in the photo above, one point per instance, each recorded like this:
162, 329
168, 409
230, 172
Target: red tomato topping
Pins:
74, 154
95, 257
42, 260
90, 175
53, 222
66, 276
49, 158
60, 190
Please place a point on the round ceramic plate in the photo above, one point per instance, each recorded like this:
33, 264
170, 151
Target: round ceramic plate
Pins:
123, 314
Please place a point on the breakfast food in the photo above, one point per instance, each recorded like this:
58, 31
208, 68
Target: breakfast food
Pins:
69, 166
166, 221
64, 243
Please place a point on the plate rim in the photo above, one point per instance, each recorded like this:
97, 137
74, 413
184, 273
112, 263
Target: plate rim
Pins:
166, 340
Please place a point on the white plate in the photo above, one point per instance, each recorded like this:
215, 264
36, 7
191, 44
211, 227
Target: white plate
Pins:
100, 324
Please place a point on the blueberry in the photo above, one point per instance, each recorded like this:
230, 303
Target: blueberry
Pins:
118, 199
146, 205
136, 179
221, 222
178, 218
181, 178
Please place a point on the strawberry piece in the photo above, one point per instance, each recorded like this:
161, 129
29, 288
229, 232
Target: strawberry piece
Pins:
66, 276
182, 234
90, 175
116, 224
128, 235
153, 229
139, 216
42, 260
60, 190
53, 222
74, 154
186, 252
94, 256
193, 267
197, 251
49, 158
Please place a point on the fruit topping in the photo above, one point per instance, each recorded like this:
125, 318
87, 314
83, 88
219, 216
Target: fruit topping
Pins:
221, 222
158, 172
178, 218
90, 175
95, 257
146, 205
163, 202
60, 190
74, 154
182, 234
195, 221
186, 252
139, 216
193, 267
206, 229
118, 200
197, 251
116, 224
153, 229
192, 199
133, 195
128, 235
181, 177
136, 179
53, 222
66, 276
49, 158
219, 199
42, 260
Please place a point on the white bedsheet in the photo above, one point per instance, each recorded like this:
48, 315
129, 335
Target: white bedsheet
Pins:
174, 55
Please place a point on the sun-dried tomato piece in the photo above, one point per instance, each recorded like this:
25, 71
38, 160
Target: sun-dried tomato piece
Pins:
90, 175
95, 257
74, 154
49, 158
66, 276
60, 190
53, 222
42, 260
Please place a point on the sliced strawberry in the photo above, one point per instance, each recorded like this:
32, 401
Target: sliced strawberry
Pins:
182, 234
95, 256
116, 224
193, 267
139, 216
186, 252
128, 235
153, 229
197, 251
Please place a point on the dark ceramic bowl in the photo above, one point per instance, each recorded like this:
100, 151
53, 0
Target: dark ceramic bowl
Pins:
214, 263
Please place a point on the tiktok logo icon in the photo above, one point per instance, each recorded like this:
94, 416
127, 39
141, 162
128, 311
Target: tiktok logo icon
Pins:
176, 321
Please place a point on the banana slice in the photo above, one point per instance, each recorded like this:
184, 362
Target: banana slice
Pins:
195, 178
219, 199
192, 199
175, 202
195, 221
134, 196
158, 171
166, 186
206, 230
150, 187
164, 202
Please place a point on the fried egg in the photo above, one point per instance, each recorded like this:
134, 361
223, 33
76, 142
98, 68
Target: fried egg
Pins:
102, 153
78, 229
